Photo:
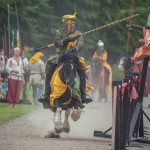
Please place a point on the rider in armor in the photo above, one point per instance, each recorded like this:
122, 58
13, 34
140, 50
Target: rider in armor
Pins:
101, 53
139, 63
67, 38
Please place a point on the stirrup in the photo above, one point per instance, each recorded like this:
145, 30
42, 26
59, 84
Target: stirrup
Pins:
43, 98
87, 99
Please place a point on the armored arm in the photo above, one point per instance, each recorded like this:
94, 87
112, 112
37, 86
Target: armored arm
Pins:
58, 41
80, 42
62, 42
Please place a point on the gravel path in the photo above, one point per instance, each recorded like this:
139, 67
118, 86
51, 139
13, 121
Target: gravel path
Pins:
27, 132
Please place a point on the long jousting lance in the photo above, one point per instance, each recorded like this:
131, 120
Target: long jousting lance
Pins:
93, 30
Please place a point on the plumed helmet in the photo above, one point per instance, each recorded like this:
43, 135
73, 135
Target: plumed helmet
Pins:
100, 44
69, 17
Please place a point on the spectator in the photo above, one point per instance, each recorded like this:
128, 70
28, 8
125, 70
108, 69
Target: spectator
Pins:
26, 75
37, 75
1, 71
2, 53
15, 69
3, 61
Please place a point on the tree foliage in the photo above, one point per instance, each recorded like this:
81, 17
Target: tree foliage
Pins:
38, 21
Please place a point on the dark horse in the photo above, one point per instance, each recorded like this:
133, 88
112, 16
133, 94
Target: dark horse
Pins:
125, 63
65, 93
97, 79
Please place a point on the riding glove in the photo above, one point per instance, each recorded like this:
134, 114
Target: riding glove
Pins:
70, 39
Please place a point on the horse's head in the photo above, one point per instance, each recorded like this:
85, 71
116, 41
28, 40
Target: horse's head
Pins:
125, 63
122, 61
69, 63
96, 66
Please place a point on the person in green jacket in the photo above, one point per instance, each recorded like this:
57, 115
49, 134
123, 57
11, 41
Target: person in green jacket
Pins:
70, 39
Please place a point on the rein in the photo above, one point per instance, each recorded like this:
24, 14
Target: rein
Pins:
70, 89
123, 64
64, 71
126, 70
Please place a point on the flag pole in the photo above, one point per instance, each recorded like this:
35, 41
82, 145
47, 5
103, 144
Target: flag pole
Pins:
8, 31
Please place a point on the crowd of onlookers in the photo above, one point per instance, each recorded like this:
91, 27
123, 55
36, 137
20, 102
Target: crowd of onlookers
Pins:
17, 71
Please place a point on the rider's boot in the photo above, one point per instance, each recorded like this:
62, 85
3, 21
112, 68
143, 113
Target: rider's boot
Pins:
45, 96
85, 97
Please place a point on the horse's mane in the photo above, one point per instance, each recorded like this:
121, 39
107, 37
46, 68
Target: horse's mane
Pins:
127, 53
128, 64
68, 56
97, 60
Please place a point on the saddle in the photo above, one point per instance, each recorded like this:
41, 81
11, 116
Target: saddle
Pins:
61, 91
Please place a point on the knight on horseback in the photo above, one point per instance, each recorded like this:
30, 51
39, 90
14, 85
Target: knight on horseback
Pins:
67, 38
101, 53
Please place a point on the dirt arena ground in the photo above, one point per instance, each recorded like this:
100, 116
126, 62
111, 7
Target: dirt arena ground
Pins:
27, 132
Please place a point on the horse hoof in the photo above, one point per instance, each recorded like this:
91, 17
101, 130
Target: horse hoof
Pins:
75, 115
66, 127
52, 134
58, 128
66, 130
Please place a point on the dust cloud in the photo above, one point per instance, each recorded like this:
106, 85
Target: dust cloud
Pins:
95, 116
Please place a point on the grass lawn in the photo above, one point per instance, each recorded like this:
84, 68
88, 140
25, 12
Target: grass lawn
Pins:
116, 73
7, 113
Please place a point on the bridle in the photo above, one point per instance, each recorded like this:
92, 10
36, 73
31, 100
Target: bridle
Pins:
64, 72
96, 63
65, 78
123, 64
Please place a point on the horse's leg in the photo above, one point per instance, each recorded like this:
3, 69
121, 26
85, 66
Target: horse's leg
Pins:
106, 100
66, 125
52, 133
57, 117
100, 94
105, 93
76, 113
92, 95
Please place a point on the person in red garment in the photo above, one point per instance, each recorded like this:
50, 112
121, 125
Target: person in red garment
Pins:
144, 51
138, 68
15, 69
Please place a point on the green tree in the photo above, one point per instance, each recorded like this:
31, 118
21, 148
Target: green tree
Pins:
38, 21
